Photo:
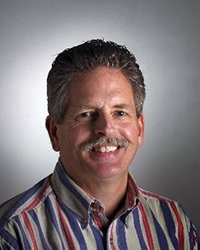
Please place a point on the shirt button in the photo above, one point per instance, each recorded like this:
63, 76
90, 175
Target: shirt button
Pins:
111, 241
83, 221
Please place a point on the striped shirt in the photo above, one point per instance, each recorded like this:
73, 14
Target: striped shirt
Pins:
57, 214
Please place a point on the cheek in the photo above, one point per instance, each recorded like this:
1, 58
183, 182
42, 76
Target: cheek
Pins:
129, 131
78, 135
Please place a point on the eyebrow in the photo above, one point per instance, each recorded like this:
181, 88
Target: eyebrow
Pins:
86, 107
119, 106
123, 106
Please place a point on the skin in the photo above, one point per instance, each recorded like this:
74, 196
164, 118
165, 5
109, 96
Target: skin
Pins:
101, 103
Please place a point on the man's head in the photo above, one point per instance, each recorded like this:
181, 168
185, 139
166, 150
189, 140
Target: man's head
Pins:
96, 93
73, 62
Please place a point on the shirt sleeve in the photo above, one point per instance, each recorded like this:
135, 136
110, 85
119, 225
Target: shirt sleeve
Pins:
194, 238
192, 234
8, 239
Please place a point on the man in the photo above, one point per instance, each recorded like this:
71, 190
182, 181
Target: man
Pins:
95, 101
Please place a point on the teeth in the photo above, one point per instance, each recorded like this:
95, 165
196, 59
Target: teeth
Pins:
106, 149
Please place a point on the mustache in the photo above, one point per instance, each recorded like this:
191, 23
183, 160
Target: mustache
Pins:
102, 141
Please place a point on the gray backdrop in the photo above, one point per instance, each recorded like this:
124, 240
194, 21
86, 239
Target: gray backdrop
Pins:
165, 37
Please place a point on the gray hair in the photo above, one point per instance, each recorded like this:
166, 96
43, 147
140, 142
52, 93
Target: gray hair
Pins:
84, 58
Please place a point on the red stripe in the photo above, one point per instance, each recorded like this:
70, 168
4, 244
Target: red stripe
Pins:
130, 193
180, 226
133, 186
147, 228
30, 230
98, 220
66, 228
111, 238
38, 197
153, 195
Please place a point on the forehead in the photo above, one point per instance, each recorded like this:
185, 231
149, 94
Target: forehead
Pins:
107, 81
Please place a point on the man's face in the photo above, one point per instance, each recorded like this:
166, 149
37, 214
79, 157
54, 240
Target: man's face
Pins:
101, 105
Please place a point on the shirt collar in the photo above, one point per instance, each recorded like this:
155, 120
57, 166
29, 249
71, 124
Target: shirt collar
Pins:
76, 199
69, 193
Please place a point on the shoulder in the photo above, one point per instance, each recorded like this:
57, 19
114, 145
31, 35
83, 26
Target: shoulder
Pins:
169, 216
154, 198
28, 200
168, 212
165, 211
160, 204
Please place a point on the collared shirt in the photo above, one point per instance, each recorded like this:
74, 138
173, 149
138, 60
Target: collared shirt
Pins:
57, 214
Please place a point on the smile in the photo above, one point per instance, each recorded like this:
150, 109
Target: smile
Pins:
105, 149
105, 145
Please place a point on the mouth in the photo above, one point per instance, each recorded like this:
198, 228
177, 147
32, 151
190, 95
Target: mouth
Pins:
105, 145
104, 149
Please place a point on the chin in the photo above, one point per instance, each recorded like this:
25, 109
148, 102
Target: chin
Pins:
106, 171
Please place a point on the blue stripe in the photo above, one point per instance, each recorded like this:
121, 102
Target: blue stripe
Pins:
160, 234
25, 240
169, 222
5, 246
41, 235
7, 237
121, 236
22, 199
54, 219
100, 242
62, 176
74, 224
193, 236
138, 229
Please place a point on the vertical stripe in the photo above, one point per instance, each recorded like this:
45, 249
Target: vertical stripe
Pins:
138, 229
121, 235
99, 238
111, 240
169, 222
38, 224
180, 226
54, 219
38, 219
146, 227
160, 234
30, 230
24, 237
193, 237
100, 223
130, 192
65, 228
65, 181
74, 223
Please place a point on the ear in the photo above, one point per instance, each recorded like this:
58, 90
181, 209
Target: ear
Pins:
52, 127
141, 130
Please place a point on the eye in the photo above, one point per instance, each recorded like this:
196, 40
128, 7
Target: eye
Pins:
120, 113
86, 116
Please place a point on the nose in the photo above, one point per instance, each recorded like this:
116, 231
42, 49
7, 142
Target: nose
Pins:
103, 125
